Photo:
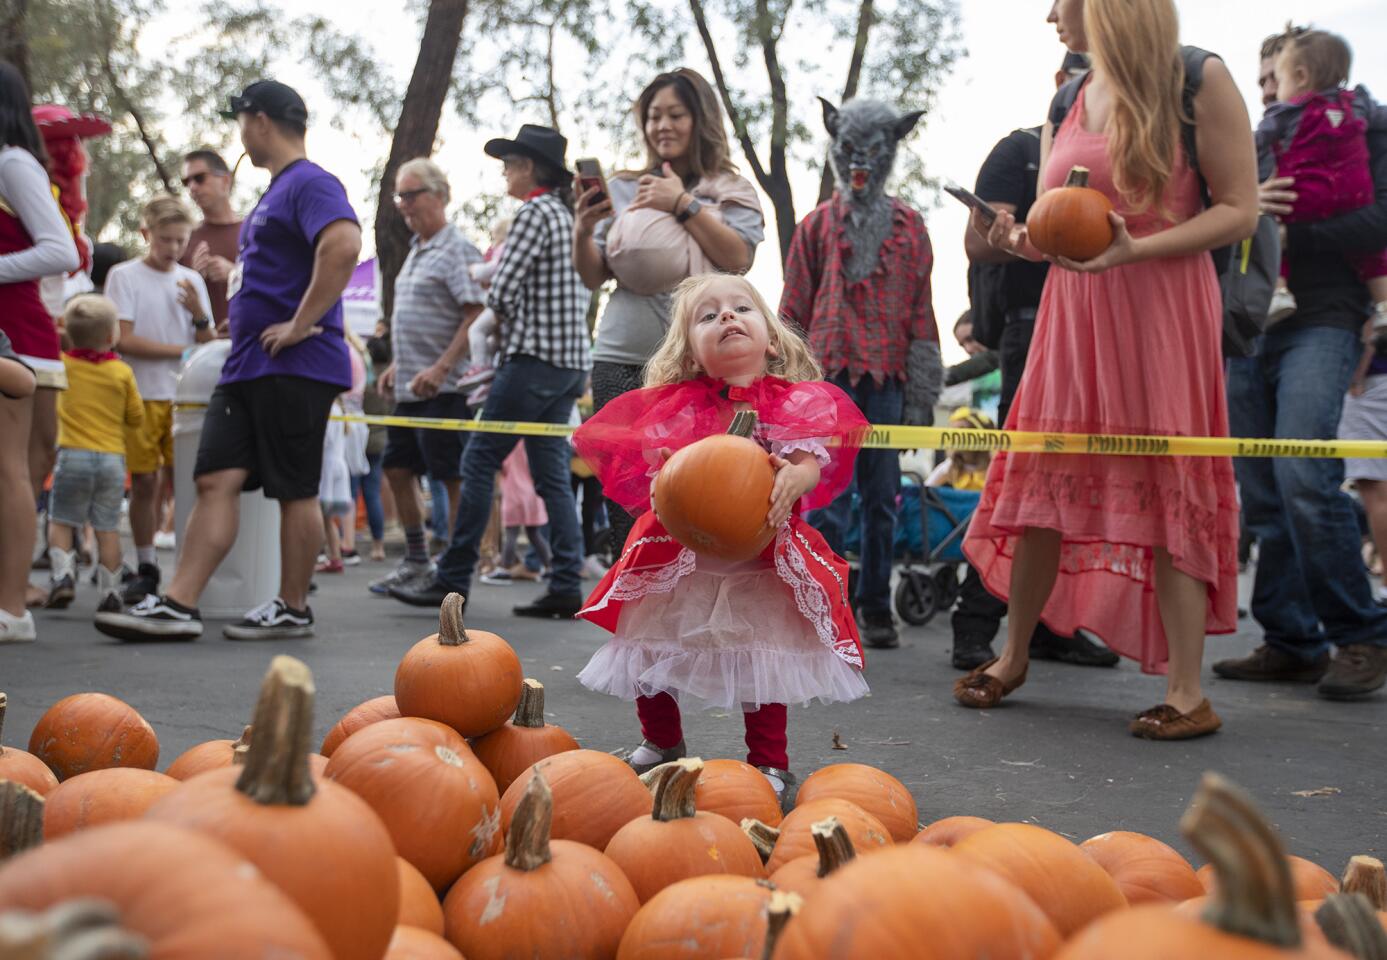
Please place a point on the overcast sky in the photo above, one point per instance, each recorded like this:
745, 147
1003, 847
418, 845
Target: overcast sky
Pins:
1004, 82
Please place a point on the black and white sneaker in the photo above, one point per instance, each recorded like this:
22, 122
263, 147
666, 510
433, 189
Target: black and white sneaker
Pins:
153, 618
145, 583
274, 620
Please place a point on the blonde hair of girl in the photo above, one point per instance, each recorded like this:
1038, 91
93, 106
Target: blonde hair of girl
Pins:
674, 361
1136, 45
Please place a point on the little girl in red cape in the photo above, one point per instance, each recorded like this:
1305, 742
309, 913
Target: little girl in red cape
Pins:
759, 634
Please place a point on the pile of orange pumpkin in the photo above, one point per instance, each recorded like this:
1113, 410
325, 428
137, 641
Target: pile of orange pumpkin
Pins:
451, 820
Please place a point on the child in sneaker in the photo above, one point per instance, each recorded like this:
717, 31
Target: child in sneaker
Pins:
688, 627
101, 402
1317, 135
164, 310
483, 337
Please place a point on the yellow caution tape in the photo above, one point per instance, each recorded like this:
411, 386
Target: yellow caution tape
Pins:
896, 437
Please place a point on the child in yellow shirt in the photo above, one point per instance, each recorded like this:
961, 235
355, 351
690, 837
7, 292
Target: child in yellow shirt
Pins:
100, 402
964, 469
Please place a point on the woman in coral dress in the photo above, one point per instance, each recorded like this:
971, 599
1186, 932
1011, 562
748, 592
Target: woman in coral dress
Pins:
1140, 550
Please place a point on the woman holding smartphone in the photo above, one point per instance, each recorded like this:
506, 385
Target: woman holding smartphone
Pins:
687, 212
1141, 550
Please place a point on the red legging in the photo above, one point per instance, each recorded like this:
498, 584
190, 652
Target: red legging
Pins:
765, 729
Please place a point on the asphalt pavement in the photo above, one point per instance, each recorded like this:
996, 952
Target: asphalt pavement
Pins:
1056, 753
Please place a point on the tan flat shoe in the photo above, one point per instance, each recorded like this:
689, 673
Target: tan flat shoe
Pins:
1164, 722
980, 691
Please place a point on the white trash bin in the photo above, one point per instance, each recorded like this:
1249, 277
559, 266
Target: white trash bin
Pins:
250, 573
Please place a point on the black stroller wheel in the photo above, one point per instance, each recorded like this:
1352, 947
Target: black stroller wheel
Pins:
917, 598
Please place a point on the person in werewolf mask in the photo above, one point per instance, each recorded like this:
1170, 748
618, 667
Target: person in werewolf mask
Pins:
857, 281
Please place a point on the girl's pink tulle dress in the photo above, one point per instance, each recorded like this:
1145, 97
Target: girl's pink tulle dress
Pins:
776, 629
1133, 350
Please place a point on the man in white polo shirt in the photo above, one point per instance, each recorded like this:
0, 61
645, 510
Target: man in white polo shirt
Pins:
436, 301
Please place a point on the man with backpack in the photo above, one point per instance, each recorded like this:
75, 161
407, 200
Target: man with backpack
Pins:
1311, 589
1005, 293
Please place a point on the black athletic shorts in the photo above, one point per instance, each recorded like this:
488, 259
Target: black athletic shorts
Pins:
435, 452
271, 426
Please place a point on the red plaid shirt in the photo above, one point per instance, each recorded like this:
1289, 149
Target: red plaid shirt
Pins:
868, 326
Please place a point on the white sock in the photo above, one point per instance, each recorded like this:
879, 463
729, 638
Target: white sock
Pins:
107, 581
775, 782
62, 563
147, 555
644, 754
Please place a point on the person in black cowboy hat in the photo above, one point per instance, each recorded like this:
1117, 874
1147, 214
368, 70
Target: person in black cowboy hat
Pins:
542, 307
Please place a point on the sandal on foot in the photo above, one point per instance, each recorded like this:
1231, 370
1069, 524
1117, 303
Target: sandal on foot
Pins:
676, 752
786, 795
1164, 722
981, 691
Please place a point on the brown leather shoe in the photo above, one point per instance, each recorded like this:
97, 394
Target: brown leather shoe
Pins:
1358, 669
1164, 722
981, 691
1270, 665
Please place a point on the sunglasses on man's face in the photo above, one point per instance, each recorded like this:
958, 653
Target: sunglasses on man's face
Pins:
408, 196
197, 178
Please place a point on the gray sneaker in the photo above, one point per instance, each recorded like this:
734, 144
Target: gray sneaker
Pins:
407, 571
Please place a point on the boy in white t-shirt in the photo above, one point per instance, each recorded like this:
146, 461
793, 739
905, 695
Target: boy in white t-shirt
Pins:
164, 309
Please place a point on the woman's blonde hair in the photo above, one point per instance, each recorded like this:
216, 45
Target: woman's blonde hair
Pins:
674, 361
1136, 44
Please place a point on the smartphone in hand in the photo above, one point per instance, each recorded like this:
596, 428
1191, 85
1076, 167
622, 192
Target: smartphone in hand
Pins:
972, 201
589, 176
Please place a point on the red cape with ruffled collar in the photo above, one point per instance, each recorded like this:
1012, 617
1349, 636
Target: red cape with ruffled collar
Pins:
622, 441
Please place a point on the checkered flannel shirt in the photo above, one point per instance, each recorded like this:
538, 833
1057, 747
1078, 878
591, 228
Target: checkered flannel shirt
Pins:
537, 295
864, 327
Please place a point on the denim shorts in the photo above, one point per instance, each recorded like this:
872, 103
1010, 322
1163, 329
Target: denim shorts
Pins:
88, 487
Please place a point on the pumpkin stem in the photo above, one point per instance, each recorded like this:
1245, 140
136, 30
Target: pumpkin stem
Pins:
527, 843
75, 930
21, 819
780, 910
4, 702
240, 747
674, 789
833, 843
451, 632
1351, 924
529, 712
1254, 896
1366, 875
1078, 177
743, 423
763, 836
276, 763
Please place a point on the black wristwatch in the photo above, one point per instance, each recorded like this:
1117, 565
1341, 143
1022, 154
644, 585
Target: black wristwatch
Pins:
201, 323
689, 211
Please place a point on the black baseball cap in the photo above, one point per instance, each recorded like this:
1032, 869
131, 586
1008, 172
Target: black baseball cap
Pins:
276, 100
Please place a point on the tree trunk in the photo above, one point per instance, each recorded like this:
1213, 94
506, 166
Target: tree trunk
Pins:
774, 182
778, 188
14, 37
865, 16
415, 132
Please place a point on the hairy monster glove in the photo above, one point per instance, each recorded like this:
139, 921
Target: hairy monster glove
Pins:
924, 379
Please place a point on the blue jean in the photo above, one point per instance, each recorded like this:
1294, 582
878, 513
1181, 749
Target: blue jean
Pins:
525, 388
878, 481
368, 485
438, 507
1311, 588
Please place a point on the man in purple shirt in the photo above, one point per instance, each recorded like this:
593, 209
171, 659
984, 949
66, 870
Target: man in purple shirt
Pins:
266, 419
